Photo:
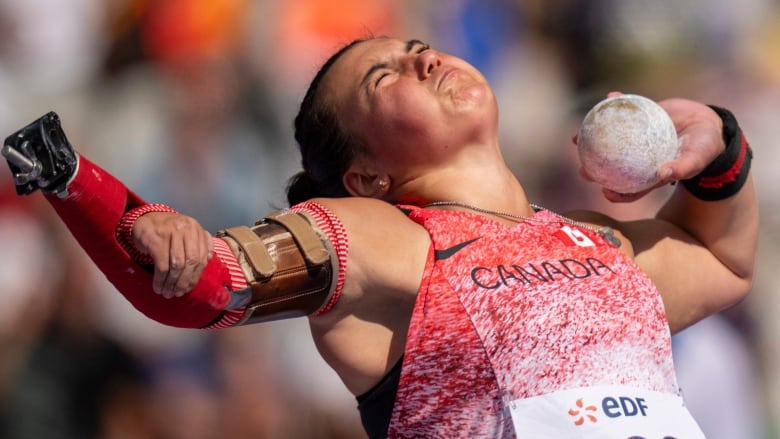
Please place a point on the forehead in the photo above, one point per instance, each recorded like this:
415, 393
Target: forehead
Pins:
368, 52
347, 71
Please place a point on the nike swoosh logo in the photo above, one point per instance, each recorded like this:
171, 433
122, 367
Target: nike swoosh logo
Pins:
445, 253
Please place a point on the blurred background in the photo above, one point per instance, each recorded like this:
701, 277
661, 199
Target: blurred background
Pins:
190, 102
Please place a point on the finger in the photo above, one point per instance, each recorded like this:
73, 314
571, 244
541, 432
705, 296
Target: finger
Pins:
617, 197
692, 159
161, 267
584, 174
205, 250
176, 265
159, 278
194, 260
666, 173
209, 245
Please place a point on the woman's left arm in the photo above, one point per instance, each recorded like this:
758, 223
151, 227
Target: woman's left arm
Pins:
700, 249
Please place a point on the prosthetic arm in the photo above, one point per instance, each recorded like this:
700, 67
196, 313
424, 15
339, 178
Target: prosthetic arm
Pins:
289, 264
282, 267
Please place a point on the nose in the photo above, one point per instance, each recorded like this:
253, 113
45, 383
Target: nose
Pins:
425, 63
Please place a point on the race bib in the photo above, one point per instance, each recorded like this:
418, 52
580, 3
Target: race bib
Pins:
604, 412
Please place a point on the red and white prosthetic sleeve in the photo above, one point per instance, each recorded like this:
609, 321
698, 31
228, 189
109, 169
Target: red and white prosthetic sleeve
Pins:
100, 212
92, 209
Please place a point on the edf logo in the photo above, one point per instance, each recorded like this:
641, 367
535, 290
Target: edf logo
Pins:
613, 407
623, 406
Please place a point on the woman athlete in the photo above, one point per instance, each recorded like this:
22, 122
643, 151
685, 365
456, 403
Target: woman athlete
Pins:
448, 304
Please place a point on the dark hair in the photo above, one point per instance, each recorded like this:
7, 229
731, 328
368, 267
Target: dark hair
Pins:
326, 148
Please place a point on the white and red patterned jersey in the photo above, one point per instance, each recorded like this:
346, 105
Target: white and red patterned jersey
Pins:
510, 313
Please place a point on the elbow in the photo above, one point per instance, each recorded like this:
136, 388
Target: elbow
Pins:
742, 287
742, 283
717, 297
738, 282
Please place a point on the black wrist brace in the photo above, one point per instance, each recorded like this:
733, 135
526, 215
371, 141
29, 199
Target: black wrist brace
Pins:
726, 175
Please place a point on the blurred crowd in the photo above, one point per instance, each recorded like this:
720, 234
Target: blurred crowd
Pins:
190, 102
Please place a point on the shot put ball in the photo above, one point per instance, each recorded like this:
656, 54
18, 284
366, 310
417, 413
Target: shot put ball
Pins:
624, 140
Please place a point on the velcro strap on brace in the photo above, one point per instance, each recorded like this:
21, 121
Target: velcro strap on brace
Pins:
288, 265
303, 232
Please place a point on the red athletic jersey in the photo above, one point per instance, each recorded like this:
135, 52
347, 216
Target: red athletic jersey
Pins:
508, 313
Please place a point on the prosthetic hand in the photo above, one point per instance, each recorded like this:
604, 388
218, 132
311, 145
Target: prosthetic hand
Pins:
40, 157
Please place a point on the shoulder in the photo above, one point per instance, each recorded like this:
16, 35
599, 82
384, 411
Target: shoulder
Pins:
650, 241
621, 229
376, 228
369, 216
385, 262
349, 207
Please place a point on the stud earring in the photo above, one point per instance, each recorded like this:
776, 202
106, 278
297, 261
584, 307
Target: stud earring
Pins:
383, 185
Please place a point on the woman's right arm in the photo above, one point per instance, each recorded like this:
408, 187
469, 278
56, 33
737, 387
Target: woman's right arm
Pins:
92, 203
95, 205
169, 253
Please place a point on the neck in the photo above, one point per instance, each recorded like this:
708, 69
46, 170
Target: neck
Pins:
490, 188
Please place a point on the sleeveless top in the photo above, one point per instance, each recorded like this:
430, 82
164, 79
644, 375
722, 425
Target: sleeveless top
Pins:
505, 314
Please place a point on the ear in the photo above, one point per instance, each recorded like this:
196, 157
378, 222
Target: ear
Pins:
361, 183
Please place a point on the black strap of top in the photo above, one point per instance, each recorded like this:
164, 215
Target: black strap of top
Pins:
376, 405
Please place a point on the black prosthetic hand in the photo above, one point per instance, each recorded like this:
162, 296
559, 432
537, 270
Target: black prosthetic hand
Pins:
40, 157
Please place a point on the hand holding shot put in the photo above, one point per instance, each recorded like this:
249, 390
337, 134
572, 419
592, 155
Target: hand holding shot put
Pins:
630, 145
448, 302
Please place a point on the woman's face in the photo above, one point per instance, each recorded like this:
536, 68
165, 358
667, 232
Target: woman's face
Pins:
408, 102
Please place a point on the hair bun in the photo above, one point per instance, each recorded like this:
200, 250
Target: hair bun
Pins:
301, 187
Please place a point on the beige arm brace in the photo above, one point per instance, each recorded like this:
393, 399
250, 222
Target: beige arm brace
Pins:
289, 265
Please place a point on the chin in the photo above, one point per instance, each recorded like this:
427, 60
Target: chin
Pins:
476, 97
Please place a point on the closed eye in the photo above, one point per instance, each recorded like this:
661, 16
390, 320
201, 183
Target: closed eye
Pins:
412, 46
422, 48
416, 46
380, 77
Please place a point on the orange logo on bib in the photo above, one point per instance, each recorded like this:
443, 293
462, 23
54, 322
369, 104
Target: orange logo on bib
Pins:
582, 413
